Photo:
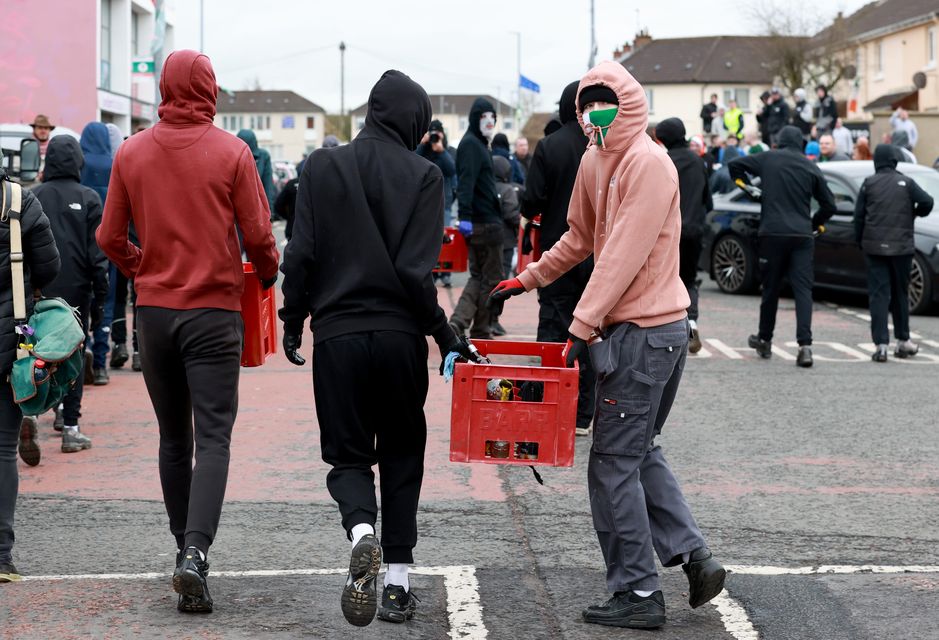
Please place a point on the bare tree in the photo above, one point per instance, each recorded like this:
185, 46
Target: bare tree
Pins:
805, 48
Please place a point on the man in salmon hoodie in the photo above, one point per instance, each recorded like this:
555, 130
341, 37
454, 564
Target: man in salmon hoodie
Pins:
186, 184
624, 210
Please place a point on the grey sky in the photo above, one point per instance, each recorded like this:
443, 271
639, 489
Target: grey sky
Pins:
449, 47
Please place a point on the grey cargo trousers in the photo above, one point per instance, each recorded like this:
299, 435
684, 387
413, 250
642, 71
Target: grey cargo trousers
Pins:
635, 499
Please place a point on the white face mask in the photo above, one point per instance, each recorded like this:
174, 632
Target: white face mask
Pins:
487, 125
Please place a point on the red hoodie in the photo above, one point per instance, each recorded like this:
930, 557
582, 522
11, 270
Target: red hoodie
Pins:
185, 184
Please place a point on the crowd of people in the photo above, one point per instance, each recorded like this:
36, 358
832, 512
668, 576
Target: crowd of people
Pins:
621, 215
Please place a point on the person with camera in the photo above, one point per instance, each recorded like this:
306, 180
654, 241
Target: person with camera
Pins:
434, 147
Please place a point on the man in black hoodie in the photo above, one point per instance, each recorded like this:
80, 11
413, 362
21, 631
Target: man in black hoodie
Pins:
695, 203
74, 213
480, 220
787, 246
367, 234
883, 224
550, 183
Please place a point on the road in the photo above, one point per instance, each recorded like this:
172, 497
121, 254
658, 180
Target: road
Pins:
817, 487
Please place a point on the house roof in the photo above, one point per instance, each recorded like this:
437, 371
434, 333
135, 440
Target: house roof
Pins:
265, 102
891, 101
714, 59
450, 103
877, 16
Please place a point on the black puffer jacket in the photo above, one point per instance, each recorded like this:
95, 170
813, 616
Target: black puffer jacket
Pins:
695, 194
886, 205
41, 265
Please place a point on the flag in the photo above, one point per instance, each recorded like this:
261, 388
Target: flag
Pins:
526, 83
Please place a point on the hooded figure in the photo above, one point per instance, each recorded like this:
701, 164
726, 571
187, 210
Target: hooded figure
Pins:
115, 136
74, 213
625, 211
887, 205
96, 149
476, 185
262, 160
509, 199
371, 298
500, 147
186, 185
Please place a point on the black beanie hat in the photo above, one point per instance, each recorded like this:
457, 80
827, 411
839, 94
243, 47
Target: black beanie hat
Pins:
436, 125
671, 133
596, 93
500, 140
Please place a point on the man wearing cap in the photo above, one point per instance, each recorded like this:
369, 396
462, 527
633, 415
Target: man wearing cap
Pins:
42, 131
777, 115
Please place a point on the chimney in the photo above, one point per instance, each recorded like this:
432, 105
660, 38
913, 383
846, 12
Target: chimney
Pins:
642, 39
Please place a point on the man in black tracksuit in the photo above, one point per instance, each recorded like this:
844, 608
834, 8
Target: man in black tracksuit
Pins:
787, 247
367, 233
74, 213
549, 185
883, 223
695, 203
777, 115
481, 220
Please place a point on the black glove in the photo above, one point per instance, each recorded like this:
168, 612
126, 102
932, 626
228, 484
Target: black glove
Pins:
292, 342
527, 246
449, 342
447, 239
574, 348
97, 315
267, 284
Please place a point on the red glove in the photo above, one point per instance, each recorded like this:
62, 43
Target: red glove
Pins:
574, 348
503, 291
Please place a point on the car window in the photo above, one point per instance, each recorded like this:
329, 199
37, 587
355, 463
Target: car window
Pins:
842, 192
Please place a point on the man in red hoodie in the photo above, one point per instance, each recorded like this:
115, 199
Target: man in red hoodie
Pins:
633, 313
187, 185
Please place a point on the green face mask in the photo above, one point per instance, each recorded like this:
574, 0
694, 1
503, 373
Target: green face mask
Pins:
601, 119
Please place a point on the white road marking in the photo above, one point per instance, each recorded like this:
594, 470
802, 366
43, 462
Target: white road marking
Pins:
703, 352
463, 607
783, 354
825, 569
734, 617
932, 343
836, 346
723, 348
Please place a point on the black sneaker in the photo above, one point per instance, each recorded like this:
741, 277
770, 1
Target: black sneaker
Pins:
880, 353
119, 356
101, 377
498, 330
58, 422
705, 577
804, 359
626, 609
358, 596
29, 446
906, 349
8, 573
694, 340
763, 347
135, 362
397, 605
189, 581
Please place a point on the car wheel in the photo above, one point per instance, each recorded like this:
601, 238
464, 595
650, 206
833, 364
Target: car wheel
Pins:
733, 265
920, 286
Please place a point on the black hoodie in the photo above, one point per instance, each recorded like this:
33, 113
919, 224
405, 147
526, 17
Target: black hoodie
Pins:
554, 165
789, 182
368, 226
476, 187
74, 213
886, 205
695, 194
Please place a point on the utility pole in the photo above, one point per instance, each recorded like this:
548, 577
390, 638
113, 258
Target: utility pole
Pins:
592, 61
518, 80
201, 26
342, 86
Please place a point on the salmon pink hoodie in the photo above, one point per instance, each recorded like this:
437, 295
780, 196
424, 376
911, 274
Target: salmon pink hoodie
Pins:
624, 210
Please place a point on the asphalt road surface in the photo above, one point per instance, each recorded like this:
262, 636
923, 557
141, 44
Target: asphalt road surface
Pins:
818, 488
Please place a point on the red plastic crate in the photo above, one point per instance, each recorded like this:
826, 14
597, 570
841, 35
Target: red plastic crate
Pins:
534, 230
476, 422
454, 256
259, 312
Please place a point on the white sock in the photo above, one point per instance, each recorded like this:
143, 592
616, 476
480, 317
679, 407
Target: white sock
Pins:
693, 324
360, 530
71, 427
643, 594
397, 573
198, 551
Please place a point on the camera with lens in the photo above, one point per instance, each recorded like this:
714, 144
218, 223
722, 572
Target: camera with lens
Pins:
434, 137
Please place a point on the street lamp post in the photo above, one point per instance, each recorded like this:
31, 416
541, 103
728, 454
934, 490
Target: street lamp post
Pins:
342, 85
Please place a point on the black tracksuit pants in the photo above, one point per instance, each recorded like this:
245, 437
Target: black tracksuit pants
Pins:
888, 282
792, 258
370, 389
689, 251
191, 364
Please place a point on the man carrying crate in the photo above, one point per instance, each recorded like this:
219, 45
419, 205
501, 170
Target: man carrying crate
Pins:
625, 211
366, 237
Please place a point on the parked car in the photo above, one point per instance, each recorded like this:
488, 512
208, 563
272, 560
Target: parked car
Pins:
11, 134
730, 246
284, 172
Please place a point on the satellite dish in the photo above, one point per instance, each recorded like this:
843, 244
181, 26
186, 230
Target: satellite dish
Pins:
850, 72
919, 80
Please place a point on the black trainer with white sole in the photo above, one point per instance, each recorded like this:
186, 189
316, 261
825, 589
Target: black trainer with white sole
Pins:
705, 577
189, 581
397, 604
359, 601
629, 610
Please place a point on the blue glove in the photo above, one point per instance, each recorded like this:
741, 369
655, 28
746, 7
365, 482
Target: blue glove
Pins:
465, 228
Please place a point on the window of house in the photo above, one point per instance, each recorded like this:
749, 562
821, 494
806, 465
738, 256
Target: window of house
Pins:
106, 44
464, 124
134, 33
931, 47
507, 124
310, 122
741, 95
879, 56
287, 122
650, 98
359, 122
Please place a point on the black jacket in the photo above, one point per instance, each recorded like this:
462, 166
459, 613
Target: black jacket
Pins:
74, 213
368, 226
444, 161
777, 116
476, 188
695, 195
554, 166
789, 182
886, 205
826, 114
285, 204
41, 265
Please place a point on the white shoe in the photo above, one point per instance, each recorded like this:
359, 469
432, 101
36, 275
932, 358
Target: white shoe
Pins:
583, 431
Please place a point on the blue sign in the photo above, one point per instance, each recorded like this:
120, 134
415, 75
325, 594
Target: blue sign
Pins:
526, 83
